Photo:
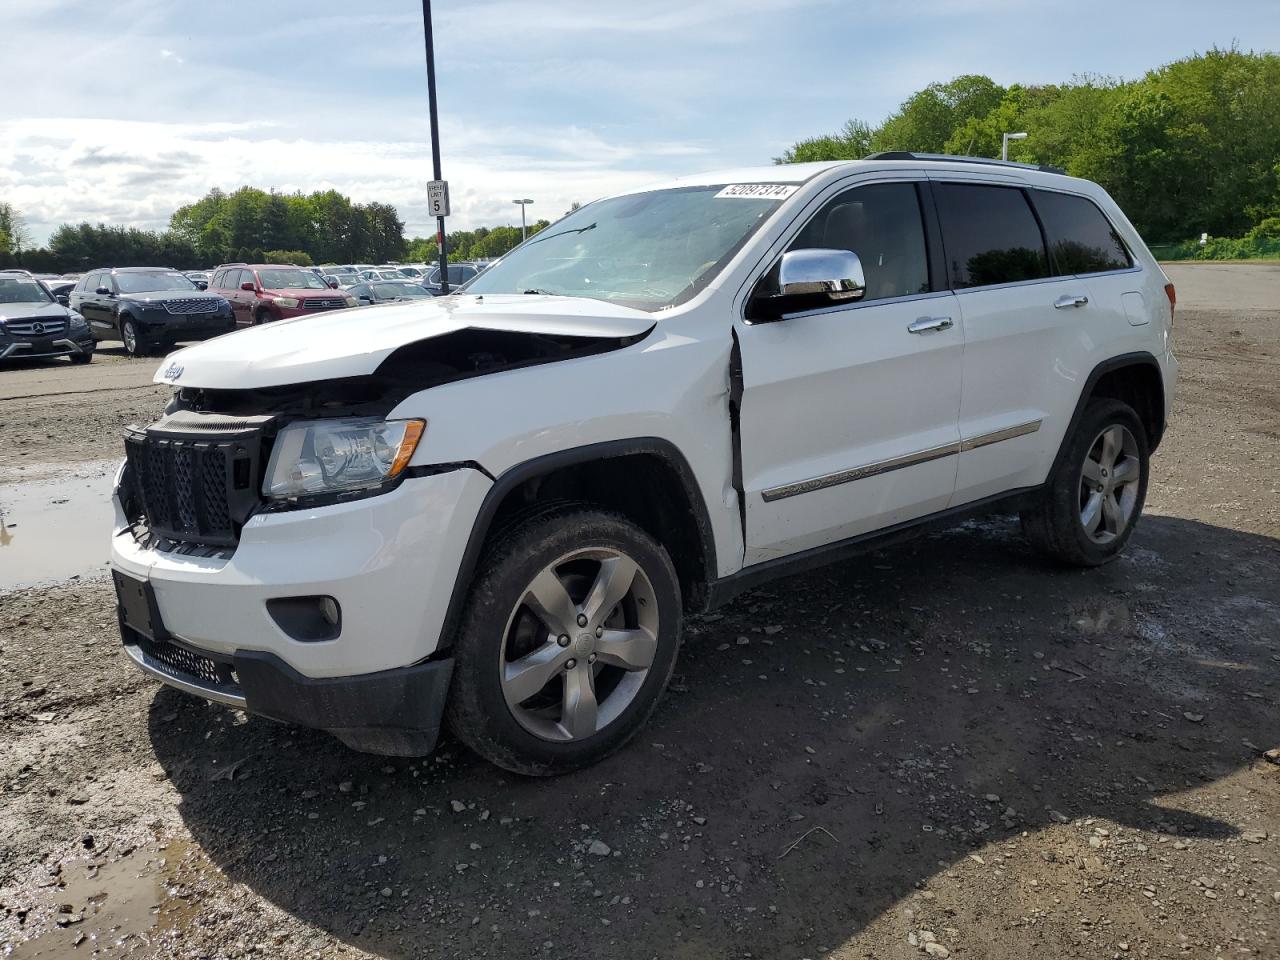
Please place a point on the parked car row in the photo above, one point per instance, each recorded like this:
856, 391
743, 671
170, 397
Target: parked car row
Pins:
150, 309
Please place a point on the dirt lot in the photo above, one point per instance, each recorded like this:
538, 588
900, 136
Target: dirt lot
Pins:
947, 748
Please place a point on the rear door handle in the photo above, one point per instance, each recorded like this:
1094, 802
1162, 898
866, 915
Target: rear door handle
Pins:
930, 325
1070, 300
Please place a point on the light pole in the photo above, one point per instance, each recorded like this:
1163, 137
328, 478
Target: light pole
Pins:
1004, 146
435, 138
524, 229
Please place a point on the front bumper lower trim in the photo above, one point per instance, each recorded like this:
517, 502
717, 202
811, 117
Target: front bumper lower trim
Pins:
392, 712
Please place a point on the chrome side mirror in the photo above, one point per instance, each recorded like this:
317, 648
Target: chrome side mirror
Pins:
816, 275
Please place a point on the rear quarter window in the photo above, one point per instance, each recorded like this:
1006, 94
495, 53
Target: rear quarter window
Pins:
990, 235
1081, 238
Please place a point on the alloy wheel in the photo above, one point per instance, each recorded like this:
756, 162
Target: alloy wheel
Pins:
130, 336
1109, 482
579, 644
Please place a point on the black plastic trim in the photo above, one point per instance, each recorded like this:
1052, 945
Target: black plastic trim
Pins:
391, 712
934, 249
727, 588
1138, 359
541, 466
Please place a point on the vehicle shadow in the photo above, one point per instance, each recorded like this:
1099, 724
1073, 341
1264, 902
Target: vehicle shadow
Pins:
831, 746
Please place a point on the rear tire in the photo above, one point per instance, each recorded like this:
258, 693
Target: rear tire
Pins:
1095, 494
567, 641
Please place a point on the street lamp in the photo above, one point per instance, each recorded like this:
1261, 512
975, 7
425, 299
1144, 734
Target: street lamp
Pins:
1004, 147
524, 229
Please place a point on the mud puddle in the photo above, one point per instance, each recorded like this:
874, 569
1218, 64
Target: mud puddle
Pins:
120, 909
55, 529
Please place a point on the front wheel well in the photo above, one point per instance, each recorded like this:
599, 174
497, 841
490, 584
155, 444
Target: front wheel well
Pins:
652, 488
1139, 385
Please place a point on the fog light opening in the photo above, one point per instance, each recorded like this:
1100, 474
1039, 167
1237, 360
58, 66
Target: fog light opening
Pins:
307, 619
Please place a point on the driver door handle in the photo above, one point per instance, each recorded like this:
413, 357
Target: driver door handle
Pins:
930, 325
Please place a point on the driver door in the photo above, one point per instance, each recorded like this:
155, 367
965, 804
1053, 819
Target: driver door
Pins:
850, 411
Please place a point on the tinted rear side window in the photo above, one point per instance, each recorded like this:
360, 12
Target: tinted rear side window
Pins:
990, 235
1081, 239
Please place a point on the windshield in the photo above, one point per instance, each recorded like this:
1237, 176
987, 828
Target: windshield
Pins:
646, 250
22, 290
392, 289
146, 282
281, 279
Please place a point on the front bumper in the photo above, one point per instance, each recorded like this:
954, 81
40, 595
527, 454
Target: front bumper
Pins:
175, 328
392, 712
390, 562
63, 345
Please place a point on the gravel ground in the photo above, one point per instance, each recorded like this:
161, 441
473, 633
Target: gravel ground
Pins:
948, 748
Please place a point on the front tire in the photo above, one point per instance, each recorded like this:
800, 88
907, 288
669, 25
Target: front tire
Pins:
569, 637
1096, 491
131, 338
82, 358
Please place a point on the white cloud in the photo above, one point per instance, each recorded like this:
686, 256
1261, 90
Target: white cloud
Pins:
559, 100
136, 173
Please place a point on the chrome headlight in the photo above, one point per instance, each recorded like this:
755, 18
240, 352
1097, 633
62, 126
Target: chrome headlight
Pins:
335, 456
287, 302
351, 301
77, 322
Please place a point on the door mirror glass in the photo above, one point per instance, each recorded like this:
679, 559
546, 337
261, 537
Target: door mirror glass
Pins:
63, 299
814, 276
201, 284
247, 285
103, 292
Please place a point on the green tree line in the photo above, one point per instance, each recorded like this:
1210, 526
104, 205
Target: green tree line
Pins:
1191, 147
252, 225
482, 243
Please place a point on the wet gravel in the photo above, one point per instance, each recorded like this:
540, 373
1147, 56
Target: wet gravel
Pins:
948, 748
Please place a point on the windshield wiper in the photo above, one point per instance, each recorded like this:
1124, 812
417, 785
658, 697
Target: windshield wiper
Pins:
539, 238
536, 291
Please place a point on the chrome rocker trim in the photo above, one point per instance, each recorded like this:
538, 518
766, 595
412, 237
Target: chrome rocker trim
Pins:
898, 463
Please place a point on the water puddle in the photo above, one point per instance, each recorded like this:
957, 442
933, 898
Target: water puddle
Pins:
55, 529
121, 909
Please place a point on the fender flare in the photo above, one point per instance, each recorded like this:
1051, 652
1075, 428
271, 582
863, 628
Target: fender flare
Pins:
515, 475
1141, 358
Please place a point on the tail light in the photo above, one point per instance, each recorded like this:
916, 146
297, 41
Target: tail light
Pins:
1172, 294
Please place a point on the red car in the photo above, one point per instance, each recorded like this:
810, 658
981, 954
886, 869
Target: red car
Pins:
261, 292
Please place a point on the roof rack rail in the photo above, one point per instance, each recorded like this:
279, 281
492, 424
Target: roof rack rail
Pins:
949, 158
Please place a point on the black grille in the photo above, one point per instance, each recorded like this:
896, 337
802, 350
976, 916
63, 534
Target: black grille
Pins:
171, 658
193, 490
324, 303
184, 307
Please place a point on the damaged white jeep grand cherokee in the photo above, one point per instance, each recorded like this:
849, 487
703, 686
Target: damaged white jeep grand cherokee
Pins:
495, 508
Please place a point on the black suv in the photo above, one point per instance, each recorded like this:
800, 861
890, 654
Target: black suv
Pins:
34, 324
148, 308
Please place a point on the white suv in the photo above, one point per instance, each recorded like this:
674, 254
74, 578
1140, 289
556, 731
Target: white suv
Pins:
496, 508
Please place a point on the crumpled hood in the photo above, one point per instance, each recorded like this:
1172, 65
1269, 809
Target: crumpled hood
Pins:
354, 342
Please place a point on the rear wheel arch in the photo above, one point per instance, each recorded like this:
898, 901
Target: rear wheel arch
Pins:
646, 480
1133, 378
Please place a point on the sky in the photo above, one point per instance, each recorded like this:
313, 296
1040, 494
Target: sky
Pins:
119, 113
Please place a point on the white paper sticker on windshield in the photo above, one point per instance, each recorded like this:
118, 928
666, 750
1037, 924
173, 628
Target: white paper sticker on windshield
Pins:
758, 191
